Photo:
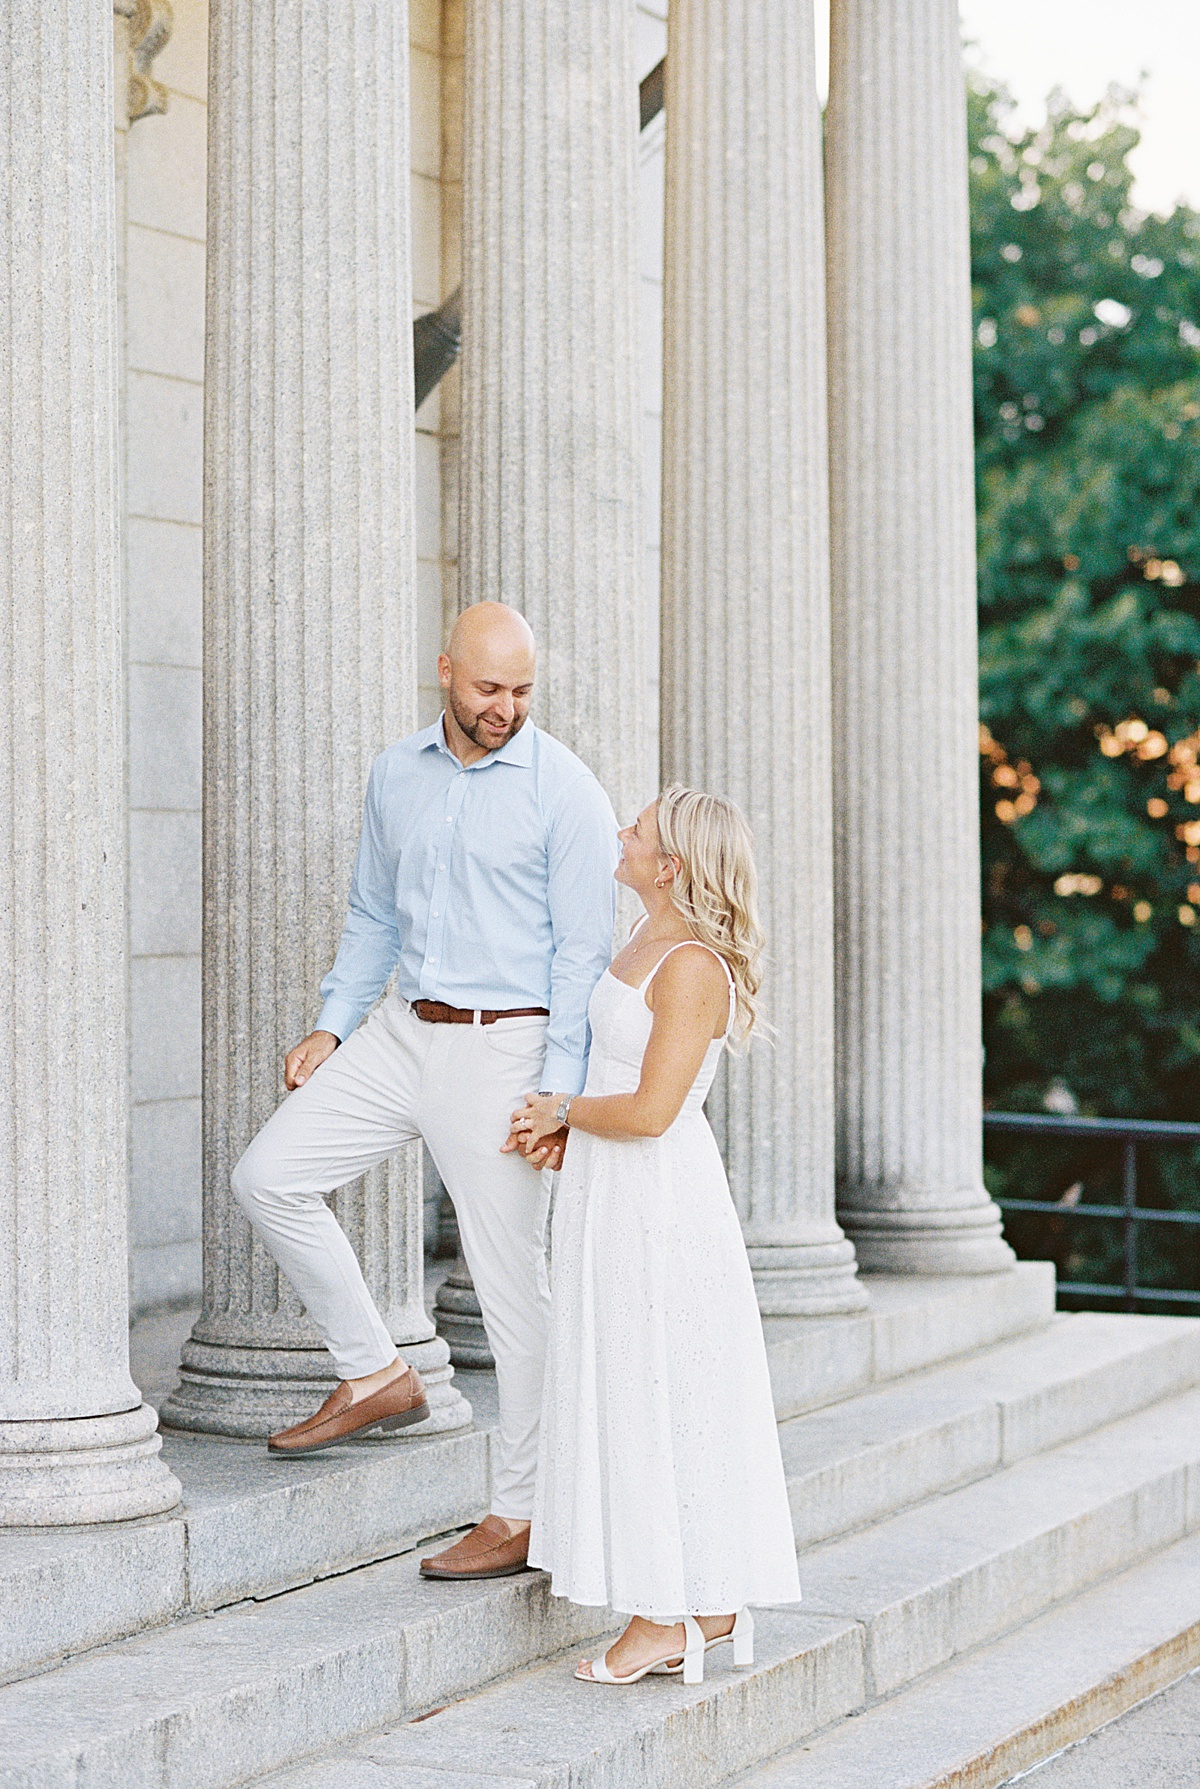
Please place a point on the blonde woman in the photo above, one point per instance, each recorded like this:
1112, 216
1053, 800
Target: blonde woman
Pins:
660, 1489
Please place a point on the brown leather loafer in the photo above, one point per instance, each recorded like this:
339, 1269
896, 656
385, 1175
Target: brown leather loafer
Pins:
395, 1406
489, 1551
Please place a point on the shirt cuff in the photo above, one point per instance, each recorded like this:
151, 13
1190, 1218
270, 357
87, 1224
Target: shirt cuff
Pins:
338, 1016
562, 1073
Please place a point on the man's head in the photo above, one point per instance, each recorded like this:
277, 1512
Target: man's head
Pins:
487, 672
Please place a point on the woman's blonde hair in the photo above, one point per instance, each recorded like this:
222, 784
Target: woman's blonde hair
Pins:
716, 886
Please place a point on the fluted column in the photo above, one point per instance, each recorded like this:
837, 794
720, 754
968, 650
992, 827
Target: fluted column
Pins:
905, 675
76, 1442
745, 642
550, 429
548, 511
309, 637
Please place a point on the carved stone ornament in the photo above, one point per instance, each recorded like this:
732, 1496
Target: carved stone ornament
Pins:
150, 23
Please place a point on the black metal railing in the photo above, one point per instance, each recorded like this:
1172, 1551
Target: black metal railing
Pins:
1129, 1133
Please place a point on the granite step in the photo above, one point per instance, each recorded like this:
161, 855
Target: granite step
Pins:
911, 1322
988, 1718
962, 1568
350, 1666
543, 1730
212, 1701
869, 1456
249, 1526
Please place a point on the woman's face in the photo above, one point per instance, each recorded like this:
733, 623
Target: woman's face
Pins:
641, 860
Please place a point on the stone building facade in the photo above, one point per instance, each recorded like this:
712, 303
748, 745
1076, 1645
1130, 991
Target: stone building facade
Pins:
234, 552
161, 181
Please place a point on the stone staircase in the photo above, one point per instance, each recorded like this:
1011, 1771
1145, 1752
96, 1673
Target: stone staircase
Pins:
999, 1517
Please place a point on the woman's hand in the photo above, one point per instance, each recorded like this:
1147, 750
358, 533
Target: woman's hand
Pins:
536, 1119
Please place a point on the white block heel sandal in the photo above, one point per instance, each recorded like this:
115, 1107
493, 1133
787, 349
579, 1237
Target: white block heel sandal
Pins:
742, 1635
692, 1666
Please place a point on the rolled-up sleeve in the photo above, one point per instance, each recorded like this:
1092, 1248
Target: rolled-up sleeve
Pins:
582, 852
370, 942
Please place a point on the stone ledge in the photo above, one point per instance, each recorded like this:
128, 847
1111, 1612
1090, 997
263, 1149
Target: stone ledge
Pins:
248, 1526
912, 1322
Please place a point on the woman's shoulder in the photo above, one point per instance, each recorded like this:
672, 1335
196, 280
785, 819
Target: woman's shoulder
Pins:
692, 968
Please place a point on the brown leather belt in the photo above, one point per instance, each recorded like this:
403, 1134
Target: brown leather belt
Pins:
435, 1012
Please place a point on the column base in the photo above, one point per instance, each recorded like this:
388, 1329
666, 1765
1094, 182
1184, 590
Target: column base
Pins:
806, 1279
252, 1392
459, 1319
967, 1239
84, 1469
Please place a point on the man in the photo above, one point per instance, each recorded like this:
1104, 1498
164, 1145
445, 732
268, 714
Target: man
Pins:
484, 878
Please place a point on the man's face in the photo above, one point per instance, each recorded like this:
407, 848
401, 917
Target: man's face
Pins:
489, 700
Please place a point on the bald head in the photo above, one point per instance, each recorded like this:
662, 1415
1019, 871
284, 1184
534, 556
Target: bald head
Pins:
487, 631
487, 672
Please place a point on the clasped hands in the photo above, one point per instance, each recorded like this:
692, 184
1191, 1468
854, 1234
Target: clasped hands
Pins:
536, 1132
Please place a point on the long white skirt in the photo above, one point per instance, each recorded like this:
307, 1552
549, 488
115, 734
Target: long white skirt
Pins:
660, 1487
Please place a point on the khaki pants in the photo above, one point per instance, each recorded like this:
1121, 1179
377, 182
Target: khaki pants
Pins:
396, 1078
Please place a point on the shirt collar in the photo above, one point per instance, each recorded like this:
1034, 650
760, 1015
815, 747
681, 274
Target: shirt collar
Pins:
518, 750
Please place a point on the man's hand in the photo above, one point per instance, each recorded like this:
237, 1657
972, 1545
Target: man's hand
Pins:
299, 1063
548, 1151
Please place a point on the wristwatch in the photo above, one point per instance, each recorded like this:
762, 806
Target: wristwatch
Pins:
564, 1108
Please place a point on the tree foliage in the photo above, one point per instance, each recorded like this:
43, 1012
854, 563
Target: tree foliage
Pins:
1087, 411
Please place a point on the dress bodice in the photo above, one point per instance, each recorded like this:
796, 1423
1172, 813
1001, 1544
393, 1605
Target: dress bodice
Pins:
621, 1022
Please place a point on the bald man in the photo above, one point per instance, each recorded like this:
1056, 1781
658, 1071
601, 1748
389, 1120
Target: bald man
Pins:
484, 879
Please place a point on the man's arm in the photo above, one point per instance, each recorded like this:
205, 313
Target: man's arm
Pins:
582, 855
370, 943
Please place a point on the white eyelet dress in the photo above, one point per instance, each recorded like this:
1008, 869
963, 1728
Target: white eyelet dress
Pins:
660, 1488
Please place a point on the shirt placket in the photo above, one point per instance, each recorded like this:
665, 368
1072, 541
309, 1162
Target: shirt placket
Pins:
435, 929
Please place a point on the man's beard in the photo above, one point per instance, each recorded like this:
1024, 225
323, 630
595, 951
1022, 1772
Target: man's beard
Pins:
472, 726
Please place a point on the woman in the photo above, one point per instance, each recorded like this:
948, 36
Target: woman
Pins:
660, 1486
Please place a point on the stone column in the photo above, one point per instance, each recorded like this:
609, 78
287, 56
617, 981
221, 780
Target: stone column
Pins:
309, 639
745, 642
548, 518
76, 1442
905, 676
548, 515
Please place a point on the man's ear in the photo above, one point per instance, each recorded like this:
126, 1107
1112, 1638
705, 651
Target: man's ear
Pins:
444, 669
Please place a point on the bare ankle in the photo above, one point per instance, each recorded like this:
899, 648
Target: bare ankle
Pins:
514, 1524
373, 1382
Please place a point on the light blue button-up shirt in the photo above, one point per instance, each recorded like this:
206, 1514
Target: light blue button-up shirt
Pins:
489, 885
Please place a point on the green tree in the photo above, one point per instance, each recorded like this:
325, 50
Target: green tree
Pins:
1087, 416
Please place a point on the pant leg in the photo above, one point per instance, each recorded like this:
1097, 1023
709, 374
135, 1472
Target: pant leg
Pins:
353, 1112
474, 1077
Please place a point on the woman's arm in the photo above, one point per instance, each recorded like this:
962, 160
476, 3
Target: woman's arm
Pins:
690, 997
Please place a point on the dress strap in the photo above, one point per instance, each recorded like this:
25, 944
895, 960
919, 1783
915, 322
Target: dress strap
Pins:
682, 945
